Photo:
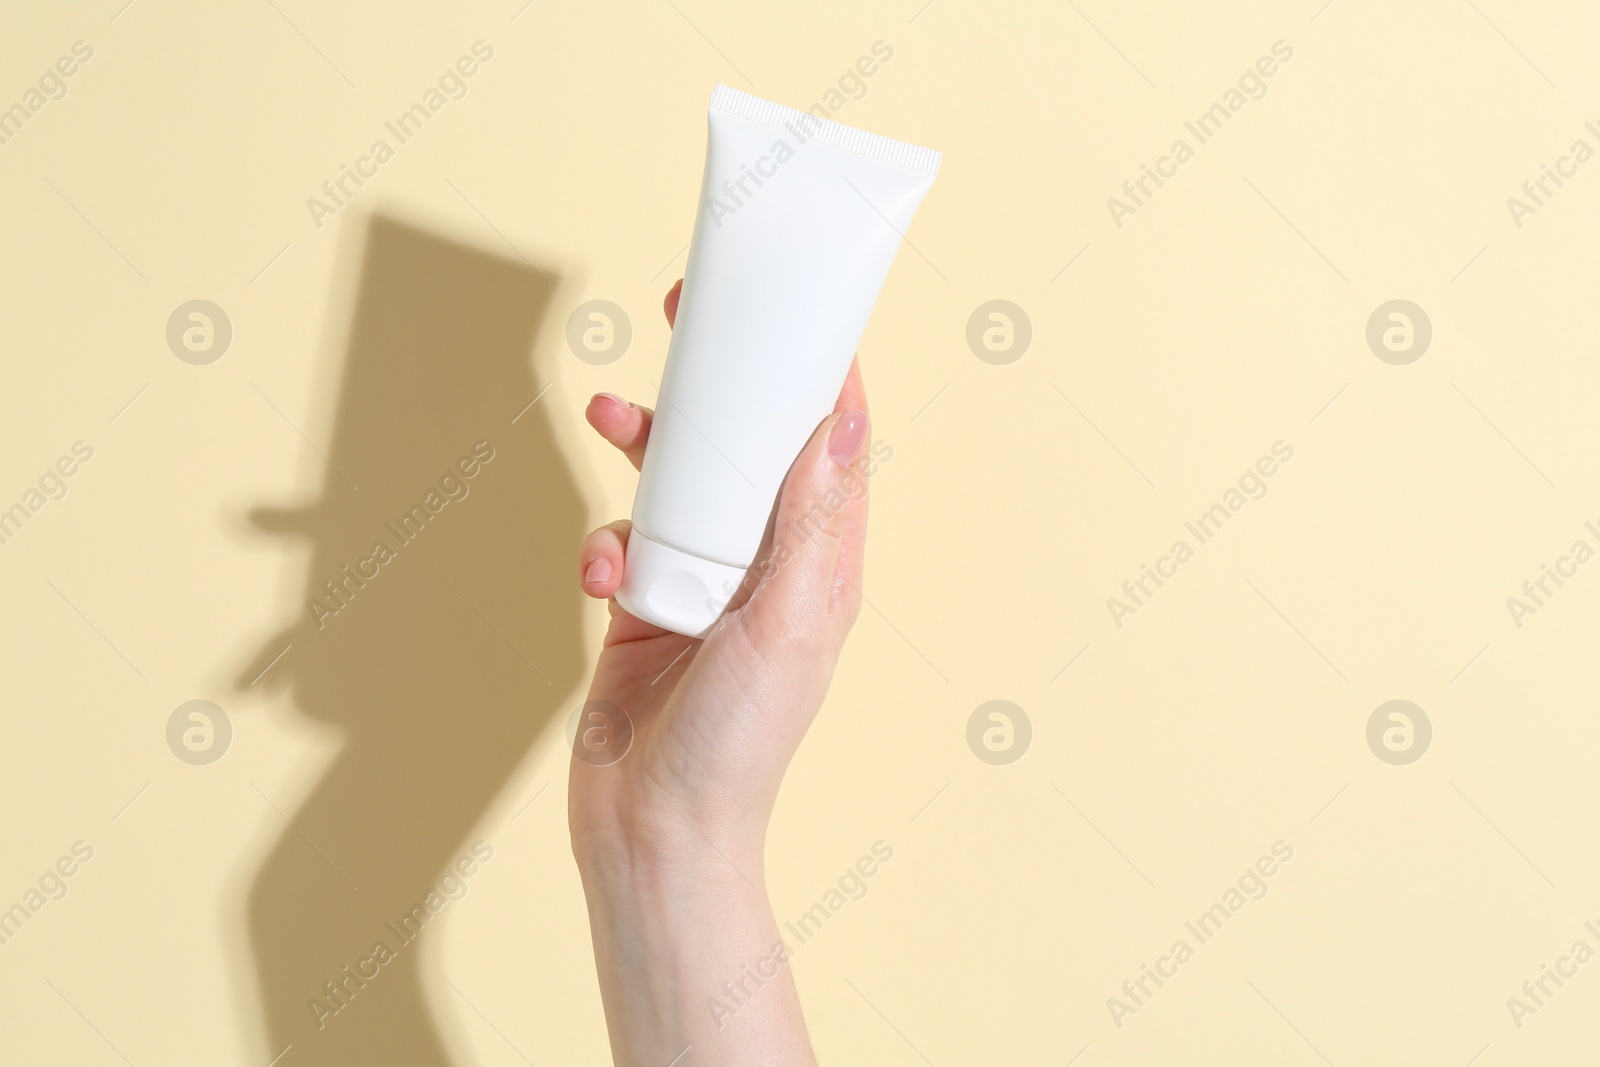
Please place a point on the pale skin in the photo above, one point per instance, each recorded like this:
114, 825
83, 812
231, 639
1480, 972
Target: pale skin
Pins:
670, 839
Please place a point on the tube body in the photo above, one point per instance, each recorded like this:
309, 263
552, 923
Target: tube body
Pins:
799, 220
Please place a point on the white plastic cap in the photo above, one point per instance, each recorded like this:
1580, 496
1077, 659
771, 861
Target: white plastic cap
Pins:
675, 590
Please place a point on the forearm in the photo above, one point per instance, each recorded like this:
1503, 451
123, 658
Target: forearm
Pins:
692, 970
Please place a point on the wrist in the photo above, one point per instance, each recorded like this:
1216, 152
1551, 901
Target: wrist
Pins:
630, 827
664, 851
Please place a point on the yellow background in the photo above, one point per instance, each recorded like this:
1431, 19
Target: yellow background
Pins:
1228, 714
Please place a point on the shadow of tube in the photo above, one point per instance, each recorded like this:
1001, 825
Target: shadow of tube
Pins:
440, 635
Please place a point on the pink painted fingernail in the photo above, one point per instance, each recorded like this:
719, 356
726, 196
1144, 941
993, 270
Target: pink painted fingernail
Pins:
848, 433
598, 571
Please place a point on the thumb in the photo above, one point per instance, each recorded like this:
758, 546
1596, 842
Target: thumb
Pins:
794, 601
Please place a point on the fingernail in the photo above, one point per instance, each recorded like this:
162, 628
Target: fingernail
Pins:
598, 571
614, 398
848, 433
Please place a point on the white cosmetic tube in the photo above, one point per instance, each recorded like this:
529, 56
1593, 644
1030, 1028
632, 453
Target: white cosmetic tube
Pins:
798, 223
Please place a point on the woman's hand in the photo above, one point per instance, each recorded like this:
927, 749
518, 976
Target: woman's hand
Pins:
681, 748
